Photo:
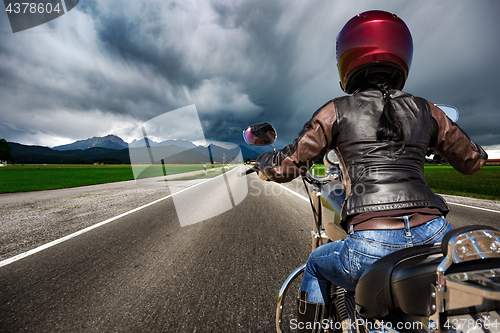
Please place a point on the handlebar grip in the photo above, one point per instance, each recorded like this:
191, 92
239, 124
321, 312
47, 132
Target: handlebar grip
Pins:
247, 172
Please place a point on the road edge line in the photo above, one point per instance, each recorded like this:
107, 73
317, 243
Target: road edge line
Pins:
293, 192
481, 208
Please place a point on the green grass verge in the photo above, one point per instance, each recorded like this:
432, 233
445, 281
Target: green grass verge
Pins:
36, 177
485, 184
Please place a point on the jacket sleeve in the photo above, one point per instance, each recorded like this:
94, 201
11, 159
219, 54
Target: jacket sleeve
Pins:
455, 146
313, 142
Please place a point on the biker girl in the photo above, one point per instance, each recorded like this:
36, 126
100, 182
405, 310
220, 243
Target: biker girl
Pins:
381, 136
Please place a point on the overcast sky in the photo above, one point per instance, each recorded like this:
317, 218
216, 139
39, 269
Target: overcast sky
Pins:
108, 65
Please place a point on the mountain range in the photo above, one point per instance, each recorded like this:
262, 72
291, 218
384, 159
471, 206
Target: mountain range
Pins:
109, 141
115, 142
112, 149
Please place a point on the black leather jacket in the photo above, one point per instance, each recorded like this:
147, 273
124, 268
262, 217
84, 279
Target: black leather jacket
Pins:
378, 175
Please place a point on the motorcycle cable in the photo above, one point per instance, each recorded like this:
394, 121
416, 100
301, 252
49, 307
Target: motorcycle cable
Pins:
315, 213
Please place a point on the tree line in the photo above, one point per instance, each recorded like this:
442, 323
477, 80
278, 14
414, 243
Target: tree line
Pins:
5, 150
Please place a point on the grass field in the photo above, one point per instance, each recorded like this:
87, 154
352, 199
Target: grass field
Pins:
443, 179
36, 177
485, 184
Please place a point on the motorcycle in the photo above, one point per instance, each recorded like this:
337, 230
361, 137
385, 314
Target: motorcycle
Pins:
450, 287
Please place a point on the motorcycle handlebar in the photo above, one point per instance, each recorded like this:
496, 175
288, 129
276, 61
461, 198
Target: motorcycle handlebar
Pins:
247, 172
310, 178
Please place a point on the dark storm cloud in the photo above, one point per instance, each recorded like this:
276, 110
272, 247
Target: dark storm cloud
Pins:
263, 63
454, 63
113, 64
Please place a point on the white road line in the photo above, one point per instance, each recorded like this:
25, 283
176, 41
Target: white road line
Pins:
65, 238
486, 209
293, 192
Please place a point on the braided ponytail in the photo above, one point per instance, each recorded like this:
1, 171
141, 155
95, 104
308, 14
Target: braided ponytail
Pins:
390, 127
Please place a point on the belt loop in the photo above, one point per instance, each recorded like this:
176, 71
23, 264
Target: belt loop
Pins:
351, 229
407, 225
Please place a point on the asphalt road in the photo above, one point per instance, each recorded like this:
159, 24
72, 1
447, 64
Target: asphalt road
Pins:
144, 272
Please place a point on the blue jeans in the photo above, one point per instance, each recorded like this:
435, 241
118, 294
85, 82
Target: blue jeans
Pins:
342, 262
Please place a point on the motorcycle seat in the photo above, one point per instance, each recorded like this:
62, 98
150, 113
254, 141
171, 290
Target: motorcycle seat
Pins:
401, 280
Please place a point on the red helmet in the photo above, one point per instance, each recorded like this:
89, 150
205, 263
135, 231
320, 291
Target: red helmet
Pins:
373, 41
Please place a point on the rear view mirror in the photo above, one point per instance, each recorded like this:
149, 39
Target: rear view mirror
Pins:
450, 111
261, 134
